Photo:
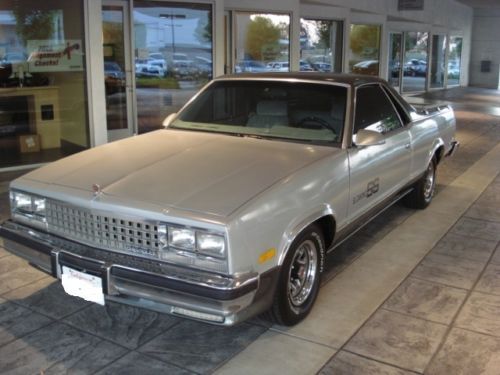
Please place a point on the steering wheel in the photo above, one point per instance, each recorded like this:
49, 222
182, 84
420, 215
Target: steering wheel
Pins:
314, 122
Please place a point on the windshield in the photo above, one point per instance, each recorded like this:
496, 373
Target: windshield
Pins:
286, 110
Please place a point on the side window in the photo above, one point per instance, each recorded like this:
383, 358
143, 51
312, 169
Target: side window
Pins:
374, 111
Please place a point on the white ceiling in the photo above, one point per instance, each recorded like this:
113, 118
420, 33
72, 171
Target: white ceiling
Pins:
481, 3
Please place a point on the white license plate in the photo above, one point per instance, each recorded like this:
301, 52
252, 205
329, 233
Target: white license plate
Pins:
83, 285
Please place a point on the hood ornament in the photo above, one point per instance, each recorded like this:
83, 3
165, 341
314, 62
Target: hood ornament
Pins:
96, 188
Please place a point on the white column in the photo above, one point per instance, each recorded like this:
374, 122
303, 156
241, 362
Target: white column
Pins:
95, 73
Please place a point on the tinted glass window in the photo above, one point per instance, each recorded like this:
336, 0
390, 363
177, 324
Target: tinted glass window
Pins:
374, 111
269, 109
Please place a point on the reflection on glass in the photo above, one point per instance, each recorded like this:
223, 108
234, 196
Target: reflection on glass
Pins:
415, 61
173, 57
364, 49
395, 44
454, 59
262, 42
438, 61
114, 67
43, 109
321, 45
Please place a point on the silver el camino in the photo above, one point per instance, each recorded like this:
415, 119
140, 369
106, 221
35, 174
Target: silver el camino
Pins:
231, 210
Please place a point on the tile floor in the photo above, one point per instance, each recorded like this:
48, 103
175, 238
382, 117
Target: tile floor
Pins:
429, 303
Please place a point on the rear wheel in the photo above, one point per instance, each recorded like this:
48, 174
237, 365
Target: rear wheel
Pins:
424, 189
298, 283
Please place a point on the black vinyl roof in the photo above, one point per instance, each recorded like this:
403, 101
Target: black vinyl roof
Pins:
349, 79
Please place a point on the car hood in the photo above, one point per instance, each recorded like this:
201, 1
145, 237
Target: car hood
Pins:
193, 171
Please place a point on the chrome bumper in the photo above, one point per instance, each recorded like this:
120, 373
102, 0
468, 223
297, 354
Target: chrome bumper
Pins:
213, 298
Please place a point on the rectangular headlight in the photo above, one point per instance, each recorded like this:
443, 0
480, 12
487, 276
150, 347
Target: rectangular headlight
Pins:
39, 206
181, 238
27, 205
211, 244
194, 247
21, 202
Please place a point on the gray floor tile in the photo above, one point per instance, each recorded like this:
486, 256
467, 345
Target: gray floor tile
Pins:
452, 271
15, 273
3, 252
465, 247
126, 325
466, 353
490, 197
58, 349
11, 262
484, 212
345, 363
47, 297
17, 321
135, 363
398, 339
426, 300
201, 347
481, 313
490, 280
496, 256
487, 230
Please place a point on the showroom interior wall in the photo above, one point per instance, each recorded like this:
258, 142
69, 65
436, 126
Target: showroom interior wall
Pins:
485, 54
445, 17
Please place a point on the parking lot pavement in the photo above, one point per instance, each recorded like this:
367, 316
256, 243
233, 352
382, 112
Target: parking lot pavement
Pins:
413, 292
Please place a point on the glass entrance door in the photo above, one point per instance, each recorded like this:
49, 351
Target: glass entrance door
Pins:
117, 68
395, 56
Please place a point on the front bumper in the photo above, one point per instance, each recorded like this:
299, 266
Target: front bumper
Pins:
223, 300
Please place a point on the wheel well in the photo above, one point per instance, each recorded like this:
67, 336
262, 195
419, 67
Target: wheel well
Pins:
438, 154
327, 225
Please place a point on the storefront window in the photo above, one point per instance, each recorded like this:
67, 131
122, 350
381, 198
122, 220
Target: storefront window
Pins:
262, 42
321, 45
43, 108
454, 60
364, 49
173, 57
415, 61
438, 61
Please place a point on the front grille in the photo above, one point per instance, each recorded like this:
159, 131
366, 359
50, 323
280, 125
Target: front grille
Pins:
105, 231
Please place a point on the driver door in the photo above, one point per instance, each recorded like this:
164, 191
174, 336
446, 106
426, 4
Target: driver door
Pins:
378, 171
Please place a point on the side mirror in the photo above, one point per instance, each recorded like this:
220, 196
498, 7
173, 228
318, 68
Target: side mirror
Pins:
365, 138
168, 120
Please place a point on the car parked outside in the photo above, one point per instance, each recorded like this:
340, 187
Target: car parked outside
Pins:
114, 77
415, 67
158, 59
366, 67
148, 68
251, 66
278, 66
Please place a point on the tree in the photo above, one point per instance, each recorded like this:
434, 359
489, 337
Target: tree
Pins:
203, 30
324, 31
364, 38
32, 24
262, 39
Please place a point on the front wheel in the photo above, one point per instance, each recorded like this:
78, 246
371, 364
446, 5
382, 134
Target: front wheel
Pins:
424, 189
298, 284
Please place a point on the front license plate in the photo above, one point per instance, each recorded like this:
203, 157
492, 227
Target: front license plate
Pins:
83, 285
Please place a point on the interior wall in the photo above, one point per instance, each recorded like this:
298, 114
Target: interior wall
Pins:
485, 47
